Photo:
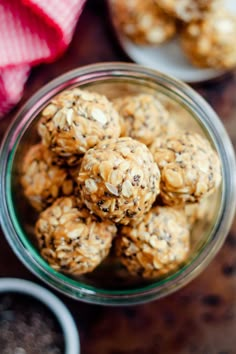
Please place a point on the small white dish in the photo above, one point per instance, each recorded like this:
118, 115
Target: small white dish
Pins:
62, 314
169, 57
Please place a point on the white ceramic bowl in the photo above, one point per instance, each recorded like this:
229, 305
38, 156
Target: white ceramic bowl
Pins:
169, 58
62, 314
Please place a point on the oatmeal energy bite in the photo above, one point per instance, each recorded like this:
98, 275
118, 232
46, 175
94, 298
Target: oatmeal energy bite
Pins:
190, 168
142, 21
119, 180
75, 121
144, 117
71, 239
210, 42
42, 180
188, 10
157, 246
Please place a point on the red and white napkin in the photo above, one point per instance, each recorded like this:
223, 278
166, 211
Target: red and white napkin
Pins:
31, 32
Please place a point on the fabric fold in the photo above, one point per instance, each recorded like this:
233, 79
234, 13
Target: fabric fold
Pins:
32, 32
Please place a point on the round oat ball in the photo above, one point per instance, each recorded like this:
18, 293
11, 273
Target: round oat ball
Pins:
142, 21
179, 117
190, 168
71, 239
157, 246
144, 117
188, 10
42, 180
119, 180
210, 42
75, 121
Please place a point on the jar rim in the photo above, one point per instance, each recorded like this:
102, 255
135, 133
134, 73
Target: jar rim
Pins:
207, 117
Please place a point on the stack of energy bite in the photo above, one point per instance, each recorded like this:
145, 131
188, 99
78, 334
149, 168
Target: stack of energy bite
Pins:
116, 175
207, 30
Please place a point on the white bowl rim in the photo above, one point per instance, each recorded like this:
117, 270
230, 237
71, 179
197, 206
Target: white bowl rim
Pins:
62, 314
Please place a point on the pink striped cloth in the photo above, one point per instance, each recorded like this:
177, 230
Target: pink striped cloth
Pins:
31, 32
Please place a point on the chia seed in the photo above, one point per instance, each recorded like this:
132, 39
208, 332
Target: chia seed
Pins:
28, 327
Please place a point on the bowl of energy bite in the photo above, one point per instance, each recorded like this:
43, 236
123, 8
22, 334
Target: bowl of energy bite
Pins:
117, 184
192, 40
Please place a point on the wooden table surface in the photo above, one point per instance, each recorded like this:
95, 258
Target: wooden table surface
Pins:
200, 318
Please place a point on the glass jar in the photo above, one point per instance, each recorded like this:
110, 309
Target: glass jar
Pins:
110, 284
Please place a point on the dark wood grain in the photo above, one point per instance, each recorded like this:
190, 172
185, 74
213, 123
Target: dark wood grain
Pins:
200, 318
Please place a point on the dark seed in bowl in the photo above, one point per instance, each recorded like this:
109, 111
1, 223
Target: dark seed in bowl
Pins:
28, 327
